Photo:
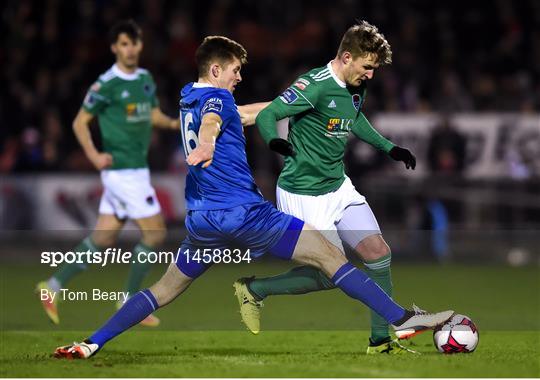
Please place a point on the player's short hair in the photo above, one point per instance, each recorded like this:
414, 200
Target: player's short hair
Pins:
220, 49
128, 27
362, 39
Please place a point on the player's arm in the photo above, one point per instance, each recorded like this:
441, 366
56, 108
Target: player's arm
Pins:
160, 120
363, 129
81, 128
248, 112
292, 101
208, 132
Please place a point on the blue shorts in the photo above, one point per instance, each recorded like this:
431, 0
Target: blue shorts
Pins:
259, 227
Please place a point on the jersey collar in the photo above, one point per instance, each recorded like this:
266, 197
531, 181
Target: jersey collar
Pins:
201, 85
338, 81
122, 75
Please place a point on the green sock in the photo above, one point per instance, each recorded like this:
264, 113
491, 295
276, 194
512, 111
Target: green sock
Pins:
138, 270
299, 280
67, 271
379, 271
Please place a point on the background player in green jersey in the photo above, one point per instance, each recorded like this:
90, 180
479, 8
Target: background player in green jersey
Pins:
323, 106
125, 103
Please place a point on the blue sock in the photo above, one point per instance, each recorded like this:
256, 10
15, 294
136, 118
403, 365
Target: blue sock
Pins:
357, 284
138, 307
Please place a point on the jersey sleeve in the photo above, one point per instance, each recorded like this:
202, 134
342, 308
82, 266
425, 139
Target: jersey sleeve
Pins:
97, 98
301, 96
220, 103
363, 129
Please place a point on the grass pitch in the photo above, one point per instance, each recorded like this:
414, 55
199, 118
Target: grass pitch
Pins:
316, 335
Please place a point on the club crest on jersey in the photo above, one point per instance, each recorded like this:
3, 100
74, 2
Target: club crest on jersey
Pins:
148, 89
212, 104
288, 96
356, 101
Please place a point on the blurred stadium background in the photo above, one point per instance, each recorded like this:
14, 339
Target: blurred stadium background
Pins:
463, 93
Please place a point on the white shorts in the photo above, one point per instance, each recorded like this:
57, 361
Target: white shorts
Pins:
342, 215
127, 193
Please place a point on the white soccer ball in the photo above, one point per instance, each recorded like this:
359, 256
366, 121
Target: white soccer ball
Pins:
457, 335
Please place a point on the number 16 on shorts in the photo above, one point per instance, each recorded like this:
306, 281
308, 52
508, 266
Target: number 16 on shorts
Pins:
218, 256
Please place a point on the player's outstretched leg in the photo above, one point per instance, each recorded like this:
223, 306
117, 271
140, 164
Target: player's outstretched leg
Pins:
138, 307
137, 271
313, 249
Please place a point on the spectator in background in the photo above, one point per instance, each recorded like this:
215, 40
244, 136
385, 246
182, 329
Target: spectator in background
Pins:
53, 49
446, 150
446, 159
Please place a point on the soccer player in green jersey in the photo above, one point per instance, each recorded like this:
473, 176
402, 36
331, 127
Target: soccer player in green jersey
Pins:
324, 106
125, 103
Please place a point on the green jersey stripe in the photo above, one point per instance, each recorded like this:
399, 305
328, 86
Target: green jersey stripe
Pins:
321, 73
320, 79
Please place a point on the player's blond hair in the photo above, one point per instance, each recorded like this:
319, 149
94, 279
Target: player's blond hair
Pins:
363, 39
220, 49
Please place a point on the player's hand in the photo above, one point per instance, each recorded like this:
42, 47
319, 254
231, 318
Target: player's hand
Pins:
401, 154
203, 153
102, 161
282, 146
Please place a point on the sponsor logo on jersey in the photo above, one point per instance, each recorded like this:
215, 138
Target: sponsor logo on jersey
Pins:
333, 124
212, 104
356, 101
332, 104
338, 127
301, 83
288, 96
131, 109
136, 112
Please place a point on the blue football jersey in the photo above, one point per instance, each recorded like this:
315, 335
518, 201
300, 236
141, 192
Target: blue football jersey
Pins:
227, 182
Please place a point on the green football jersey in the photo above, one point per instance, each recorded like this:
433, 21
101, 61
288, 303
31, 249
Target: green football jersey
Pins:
123, 104
322, 111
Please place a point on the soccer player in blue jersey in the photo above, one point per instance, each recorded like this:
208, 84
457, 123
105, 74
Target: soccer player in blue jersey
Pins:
225, 208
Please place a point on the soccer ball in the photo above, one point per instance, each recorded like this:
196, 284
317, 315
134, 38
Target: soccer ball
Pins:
459, 334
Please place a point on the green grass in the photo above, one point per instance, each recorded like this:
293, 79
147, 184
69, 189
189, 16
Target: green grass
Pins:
272, 354
316, 335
